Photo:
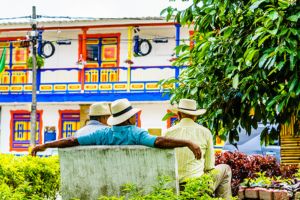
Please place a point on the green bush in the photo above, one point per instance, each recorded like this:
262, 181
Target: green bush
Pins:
196, 188
28, 177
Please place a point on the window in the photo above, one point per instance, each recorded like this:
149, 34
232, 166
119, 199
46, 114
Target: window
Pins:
16, 58
171, 121
20, 130
92, 52
102, 50
69, 123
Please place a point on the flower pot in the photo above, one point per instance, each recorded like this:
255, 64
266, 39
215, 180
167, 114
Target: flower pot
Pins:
265, 194
241, 193
281, 195
252, 193
297, 196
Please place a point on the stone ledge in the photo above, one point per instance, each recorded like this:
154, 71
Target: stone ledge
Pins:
88, 172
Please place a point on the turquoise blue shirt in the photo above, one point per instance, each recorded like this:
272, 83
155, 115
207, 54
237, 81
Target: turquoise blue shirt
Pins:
92, 126
118, 135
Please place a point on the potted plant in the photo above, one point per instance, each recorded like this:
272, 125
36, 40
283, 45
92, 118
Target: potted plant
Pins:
39, 62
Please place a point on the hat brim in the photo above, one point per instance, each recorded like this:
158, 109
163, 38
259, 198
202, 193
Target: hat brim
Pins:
122, 118
198, 112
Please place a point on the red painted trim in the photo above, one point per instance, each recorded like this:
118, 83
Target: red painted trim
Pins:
12, 112
8, 39
83, 43
60, 119
92, 26
100, 35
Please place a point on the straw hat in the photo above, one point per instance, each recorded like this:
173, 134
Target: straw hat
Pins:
188, 106
99, 109
121, 111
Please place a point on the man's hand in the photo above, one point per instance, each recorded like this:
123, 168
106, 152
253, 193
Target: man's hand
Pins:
195, 149
37, 149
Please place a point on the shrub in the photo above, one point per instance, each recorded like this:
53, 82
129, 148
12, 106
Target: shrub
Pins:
28, 177
196, 188
244, 166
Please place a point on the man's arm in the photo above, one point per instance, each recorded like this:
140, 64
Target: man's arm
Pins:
62, 143
168, 143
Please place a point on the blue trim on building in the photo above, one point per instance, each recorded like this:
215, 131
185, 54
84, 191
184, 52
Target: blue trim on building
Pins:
10, 55
177, 26
84, 97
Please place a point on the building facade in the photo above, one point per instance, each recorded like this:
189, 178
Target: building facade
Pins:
87, 61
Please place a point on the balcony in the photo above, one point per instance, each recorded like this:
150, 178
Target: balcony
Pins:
138, 83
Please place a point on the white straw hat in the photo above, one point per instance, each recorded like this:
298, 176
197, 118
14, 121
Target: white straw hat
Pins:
188, 106
99, 109
121, 111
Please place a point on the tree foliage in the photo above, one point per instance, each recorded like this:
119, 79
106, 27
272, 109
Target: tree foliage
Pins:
244, 64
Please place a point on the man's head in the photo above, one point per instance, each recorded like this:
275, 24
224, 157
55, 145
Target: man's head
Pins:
122, 113
99, 112
182, 115
187, 108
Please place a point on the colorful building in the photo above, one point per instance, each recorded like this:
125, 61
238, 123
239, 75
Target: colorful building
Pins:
88, 60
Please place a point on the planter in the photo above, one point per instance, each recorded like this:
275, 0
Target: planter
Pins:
252, 193
281, 195
297, 196
265, 194
241, 193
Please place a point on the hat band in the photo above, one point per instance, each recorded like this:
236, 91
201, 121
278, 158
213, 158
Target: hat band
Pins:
122, 112
187, 109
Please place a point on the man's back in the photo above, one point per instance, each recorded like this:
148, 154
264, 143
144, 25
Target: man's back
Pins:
90, 127
118, 135
188, 166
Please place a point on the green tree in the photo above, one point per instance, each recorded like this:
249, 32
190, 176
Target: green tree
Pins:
245, 58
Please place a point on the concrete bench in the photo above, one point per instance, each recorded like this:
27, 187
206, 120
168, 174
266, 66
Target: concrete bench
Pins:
88, 172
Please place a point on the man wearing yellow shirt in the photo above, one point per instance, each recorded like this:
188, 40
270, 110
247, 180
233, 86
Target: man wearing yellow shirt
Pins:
188, 166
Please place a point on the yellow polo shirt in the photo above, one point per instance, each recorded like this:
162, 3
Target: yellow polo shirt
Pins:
188, 166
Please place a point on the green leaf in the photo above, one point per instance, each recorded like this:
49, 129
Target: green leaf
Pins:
280, 65
264, 136
293, 31
292, 62
273, 101
168, 115
293, 84
255, 5
194, 91
256, 36
235, 81
260, 42
298, 90
273, 32
280, 106
273, 15
250, 56
262, 60
293, 18
283, 31
271, 62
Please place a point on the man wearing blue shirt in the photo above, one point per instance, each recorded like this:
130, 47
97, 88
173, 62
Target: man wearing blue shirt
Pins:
98, 114
122, 132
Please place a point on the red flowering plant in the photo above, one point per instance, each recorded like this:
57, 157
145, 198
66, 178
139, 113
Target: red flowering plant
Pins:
244, 166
